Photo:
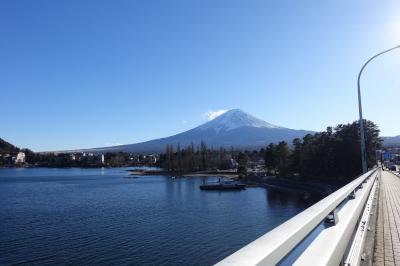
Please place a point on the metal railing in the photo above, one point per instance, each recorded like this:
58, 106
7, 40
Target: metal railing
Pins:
356, 251
272, 247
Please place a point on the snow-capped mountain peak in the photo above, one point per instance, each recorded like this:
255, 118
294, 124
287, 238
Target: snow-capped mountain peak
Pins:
234, 128
235, 118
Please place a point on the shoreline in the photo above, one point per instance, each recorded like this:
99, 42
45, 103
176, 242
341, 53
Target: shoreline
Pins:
307, 188
226, 174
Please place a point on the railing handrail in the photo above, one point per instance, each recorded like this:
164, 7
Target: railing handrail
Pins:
329, 247
272, 247
356, 251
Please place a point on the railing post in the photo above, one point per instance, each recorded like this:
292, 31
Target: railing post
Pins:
332, 218
352, 195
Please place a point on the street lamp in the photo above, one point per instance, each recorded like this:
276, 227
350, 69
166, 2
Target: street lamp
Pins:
362, 134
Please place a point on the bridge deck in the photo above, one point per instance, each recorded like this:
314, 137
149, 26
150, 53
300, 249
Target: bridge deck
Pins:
387, 241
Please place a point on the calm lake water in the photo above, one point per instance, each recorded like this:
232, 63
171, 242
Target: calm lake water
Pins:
102, 217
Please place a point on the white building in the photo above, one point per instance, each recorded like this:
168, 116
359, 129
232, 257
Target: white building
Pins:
20, 157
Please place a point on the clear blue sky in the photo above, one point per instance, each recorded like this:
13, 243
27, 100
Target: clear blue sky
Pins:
79, 74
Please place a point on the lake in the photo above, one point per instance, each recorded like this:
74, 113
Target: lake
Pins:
102, 217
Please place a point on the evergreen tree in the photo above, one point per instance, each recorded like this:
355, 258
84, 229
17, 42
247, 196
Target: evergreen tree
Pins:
179, 157
203, 155
282, 152
242, 161
270, 157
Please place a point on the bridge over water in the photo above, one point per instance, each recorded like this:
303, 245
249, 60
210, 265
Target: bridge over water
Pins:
358, 224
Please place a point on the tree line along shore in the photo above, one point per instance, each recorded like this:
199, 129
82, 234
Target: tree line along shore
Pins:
329, 155
333, 154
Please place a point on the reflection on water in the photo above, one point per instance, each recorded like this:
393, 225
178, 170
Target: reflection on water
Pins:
100, 217
276, 197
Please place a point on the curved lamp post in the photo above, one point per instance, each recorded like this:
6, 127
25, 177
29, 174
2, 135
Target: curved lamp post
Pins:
362, 134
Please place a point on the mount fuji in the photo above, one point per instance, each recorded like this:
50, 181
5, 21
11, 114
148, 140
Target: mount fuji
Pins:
234, 128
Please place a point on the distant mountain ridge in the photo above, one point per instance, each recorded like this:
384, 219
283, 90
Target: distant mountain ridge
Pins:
7, 148
234, 128
391, 141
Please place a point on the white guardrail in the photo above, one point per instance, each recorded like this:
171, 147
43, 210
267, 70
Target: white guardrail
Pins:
329, 247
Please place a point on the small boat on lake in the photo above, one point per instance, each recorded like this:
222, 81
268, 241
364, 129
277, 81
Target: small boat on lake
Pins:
223, 185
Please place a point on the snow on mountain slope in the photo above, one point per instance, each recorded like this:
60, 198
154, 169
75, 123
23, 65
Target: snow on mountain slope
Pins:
232, 119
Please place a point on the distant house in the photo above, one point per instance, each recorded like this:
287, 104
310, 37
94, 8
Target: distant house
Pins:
397, 159
149, 159
134, 158
152, 159
6, 159
20, 158
232, 163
